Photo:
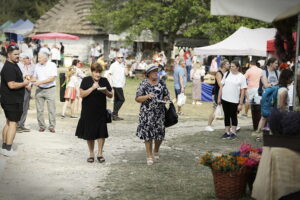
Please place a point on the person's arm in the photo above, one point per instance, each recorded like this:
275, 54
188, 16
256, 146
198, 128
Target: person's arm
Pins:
16, 85
220, 94
181, 84
141, 99
48, 80
282, 101
242, 95
87, 92
109, 94
264, 80
219, 79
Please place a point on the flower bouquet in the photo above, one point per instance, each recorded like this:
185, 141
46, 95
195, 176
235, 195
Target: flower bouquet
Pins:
231, 171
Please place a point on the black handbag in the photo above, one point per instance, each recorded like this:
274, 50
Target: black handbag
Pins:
171, 117
108, 116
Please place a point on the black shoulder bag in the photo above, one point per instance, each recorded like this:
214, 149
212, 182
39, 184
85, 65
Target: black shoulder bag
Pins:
171, 117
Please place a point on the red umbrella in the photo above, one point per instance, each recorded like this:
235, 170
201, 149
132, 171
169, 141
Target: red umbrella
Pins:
55, 36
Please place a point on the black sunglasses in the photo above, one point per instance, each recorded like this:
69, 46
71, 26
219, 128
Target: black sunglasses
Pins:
12, 48
120, 57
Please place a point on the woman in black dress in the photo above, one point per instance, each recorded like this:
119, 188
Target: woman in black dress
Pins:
152, 94
92, 123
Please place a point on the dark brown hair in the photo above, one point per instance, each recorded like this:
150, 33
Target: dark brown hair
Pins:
285, 77
96, 67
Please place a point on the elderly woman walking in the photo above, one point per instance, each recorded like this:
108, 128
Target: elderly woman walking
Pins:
152, 94
92, 123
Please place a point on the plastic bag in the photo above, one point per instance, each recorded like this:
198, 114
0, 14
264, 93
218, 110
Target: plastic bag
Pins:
181, 99
219, 115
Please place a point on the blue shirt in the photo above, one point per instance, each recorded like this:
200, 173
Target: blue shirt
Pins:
179, 71
189, 61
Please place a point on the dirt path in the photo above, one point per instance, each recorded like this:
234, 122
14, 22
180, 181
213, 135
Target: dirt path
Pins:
53, 166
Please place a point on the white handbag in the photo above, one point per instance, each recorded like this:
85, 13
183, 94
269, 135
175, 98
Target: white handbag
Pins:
181, 99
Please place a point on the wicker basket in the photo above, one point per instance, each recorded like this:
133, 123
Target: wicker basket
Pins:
230, 185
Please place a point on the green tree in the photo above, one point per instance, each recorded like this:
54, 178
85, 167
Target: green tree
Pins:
170, 18
25, 9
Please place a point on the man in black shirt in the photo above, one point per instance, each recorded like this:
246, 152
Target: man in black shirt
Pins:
12, 96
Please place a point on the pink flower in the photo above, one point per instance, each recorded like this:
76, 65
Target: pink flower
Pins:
255, 156
251, 163
245, 147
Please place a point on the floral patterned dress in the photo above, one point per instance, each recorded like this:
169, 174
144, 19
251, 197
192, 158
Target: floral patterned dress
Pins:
152, 111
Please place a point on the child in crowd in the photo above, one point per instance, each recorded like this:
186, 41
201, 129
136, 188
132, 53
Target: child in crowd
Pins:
70, 93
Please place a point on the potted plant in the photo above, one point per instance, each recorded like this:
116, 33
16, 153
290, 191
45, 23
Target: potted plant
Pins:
231, 171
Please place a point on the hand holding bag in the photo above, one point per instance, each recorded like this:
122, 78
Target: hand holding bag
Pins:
181, 99
171, 117
219, 115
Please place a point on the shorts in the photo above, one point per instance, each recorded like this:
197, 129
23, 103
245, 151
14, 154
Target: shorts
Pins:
13, 112
251, 94
177, 92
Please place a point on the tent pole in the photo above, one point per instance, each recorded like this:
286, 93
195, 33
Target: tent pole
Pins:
297, 68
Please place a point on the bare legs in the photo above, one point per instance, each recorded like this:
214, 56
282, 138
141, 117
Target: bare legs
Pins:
66, 105
101, 142
211, 118
9, 132
151, 153
91, 145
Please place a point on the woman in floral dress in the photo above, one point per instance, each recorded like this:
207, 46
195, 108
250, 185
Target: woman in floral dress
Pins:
152, 95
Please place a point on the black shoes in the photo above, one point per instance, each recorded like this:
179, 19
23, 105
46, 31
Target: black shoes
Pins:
117, 118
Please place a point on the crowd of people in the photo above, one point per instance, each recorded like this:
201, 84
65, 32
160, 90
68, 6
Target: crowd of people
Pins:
87, 94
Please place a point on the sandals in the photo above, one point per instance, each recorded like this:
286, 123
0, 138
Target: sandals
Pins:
150, 161
156, 156
101, 159
90, 160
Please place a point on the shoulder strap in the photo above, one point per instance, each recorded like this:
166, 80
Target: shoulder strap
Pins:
267, 73
276, 74
227, 74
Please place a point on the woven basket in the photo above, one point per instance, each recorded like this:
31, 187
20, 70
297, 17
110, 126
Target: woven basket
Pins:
230, 185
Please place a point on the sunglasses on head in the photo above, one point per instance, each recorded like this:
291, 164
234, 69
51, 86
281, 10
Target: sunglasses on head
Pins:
12, 47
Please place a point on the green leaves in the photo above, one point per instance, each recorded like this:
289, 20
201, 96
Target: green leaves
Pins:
189, 18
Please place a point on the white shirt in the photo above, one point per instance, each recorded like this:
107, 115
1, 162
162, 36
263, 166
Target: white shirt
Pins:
290, 94
232, 86
73, 81
55, 54
43, 72
26, 70
79, 75
117, 71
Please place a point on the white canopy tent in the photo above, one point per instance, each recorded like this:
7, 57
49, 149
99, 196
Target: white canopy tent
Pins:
266, 10
243, 42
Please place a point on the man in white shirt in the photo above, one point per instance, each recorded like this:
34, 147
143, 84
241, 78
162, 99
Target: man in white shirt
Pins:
27, 70
117, 72
45, 75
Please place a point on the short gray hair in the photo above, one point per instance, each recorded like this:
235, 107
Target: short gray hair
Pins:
44, 54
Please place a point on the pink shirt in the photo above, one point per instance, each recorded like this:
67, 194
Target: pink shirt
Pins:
253, 75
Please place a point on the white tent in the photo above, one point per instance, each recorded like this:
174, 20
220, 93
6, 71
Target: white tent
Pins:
243, 42
265, 10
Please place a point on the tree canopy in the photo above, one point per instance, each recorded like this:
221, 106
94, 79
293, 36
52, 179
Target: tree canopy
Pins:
25, 9
170, 18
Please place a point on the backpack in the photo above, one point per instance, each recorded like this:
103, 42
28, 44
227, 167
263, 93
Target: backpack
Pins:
260, 88
269, 100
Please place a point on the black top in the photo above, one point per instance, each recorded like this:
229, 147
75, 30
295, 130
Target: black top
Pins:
217, 88
96, 99
11, 72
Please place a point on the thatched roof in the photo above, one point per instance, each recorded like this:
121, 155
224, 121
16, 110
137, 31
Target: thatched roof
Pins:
68, 16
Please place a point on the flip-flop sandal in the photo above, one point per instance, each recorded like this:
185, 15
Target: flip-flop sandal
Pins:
90, 160
100, 159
